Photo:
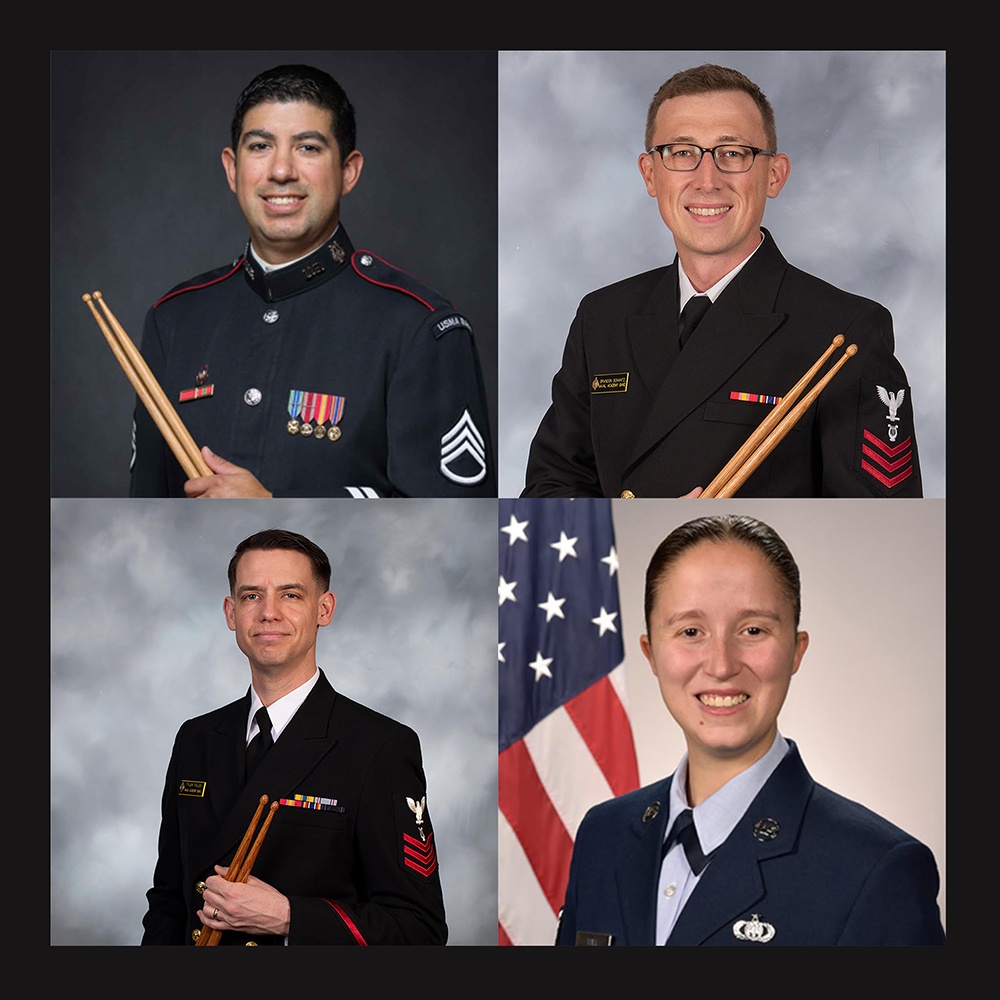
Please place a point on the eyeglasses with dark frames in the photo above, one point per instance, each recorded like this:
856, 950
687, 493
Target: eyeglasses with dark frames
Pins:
729, 159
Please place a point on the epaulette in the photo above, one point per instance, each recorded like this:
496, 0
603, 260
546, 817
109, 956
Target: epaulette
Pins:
203, 280
380, 272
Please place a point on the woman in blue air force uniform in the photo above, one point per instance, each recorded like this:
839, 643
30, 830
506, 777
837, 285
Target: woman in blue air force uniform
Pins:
739, 846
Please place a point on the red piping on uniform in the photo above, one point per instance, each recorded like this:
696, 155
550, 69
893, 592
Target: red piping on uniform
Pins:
398, 288
350, 923
191, 288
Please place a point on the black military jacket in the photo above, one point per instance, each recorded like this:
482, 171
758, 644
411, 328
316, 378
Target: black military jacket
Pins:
384, 366
362, 871
632, 412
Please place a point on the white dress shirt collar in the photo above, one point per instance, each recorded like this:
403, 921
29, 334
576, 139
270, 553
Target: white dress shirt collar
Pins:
687, 290
281, 711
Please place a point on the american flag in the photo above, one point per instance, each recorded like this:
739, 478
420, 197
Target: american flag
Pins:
565, 738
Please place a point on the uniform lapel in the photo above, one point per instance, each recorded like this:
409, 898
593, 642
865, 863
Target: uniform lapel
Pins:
732, 883
740, 320
302, 745
637, 873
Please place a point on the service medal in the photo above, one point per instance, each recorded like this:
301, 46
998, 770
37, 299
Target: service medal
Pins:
308, 412
294, 408
336, 412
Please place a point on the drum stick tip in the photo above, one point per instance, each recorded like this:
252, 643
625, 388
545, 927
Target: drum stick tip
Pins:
263, 799
852, 350
86, 296
838, 340
97, 295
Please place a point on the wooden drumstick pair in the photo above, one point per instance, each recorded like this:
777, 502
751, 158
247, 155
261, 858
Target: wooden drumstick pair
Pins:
775, 426
242, 863
149, 391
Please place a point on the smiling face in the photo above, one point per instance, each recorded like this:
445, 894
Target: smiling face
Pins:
723, 645
715, 217
275, 610
288, 177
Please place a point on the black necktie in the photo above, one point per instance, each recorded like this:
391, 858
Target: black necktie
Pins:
683, 831
261, 743
691, 316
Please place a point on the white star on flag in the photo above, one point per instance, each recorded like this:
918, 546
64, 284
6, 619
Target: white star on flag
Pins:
515, 530
506, 591
611, 559
565, 546
606, 621
541, 666
553, 606
500, 646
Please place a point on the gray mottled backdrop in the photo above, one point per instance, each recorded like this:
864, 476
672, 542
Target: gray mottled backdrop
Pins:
140, 203
862, 209
139, 644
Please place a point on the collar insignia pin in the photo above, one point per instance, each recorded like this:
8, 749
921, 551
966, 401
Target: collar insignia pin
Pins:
651, 812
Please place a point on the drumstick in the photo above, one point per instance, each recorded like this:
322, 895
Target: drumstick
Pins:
783, 428
768, 424
236, 873
149, 391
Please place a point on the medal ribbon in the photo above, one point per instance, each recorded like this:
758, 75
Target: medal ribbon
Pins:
309, 406
294, 402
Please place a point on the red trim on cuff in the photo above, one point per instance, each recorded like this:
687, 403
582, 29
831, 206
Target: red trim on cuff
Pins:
347, 920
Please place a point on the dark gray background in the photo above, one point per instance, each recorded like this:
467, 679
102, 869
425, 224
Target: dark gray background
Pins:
862, 209
140, 643
140, 203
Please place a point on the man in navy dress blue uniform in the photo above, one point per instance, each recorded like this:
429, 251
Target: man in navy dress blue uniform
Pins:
306, 367
739, 846
350, 857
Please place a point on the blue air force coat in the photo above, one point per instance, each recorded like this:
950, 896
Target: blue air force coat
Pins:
834, 873
363, 872
631, 411
241, 353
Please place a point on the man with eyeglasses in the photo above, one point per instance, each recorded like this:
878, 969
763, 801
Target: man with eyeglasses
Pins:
666, 374
306, 367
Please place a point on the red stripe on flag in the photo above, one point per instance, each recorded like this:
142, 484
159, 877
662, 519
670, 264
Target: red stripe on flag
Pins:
599, 715
502, 938
534, 820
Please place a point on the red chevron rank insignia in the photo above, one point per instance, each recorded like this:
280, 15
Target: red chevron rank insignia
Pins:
889, 464
420, 855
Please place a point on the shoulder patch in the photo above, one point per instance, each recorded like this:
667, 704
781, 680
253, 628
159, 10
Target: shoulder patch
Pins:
380, 272
203, 280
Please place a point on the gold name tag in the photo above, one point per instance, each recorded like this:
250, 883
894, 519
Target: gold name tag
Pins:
617, 382
194, 788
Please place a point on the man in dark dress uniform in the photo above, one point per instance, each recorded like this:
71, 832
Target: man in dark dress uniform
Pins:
305, 367
666, 374
350, 856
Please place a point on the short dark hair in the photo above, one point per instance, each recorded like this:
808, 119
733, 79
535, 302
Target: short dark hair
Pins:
707, 79
279, 538
725, 528
299, 83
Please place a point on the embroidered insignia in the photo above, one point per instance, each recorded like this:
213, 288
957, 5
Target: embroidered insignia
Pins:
201, 391
754, 397
888, 469
311, 802
893, 400
362, 492
449, 322
421, 857
615, 382
196, 789
753, 929
463, 438
418, 809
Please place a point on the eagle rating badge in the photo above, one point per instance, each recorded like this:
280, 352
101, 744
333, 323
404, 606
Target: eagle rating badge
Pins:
419, 855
